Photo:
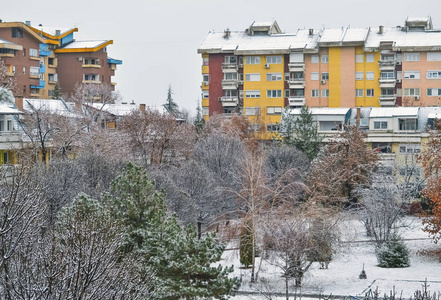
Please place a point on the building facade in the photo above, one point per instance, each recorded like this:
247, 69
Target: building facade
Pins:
40, 59
262, 70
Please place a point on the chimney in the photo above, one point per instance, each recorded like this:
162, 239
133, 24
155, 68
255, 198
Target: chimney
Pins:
132, 103
57, 32
311, 31
227, 33
142, 107
381, 29
357, 122
28, 23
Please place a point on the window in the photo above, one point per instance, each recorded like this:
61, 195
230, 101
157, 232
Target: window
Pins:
274, 93
387, 92
314, 59
51, 93
240, 61
286, 76
252, 77
296, 57
433, 56
433, 75
411, 74
399, 92
325, 93
91, 77
325, 59
230, 76
34, 71
252, 60
231, 60
314, 76
17, 32
387, 57
50, 61
286, 93
277, 110
407, 124
387, 75
369, 92
314, 93
206, 78
298, 75
274, 59
24, 51
382, 148
412, 92
205, 94
359, 58
359, 93
91, 61
252, 94
359, 76
252, 111
325, 76
411, 56
33, 52
298, 92
370, 75
272, 127
205, 61
240, 94
205, 111
433, 92
410, 148
13, 69
380, 125
253, 127
274, 77
369, 58
24, 70
230, 93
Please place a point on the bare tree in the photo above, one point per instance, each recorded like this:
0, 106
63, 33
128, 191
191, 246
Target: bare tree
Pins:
6, 80
380, 208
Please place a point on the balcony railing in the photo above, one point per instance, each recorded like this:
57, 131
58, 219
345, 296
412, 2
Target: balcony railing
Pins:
296, 83
296, 66
387, 64
229, 101
228, 84
387, 100
227, 67
387, 82
296, 100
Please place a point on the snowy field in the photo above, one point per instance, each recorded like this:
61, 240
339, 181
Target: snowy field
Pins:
342, 277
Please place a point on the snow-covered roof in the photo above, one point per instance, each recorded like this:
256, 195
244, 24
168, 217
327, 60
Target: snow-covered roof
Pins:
85, 44
114, 109
9, 45
57, 106
7, 109
241, 42
388, 112
323, 111
53, 30
343, 35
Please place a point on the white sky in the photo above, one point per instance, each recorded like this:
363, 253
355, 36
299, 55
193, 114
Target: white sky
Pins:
158, 39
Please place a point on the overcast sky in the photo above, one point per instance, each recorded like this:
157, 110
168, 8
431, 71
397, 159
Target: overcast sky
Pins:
157, 40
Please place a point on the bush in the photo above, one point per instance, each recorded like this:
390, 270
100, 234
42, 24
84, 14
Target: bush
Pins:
393, 253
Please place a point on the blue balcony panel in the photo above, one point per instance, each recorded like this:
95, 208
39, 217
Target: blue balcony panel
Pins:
41, 86
45, 52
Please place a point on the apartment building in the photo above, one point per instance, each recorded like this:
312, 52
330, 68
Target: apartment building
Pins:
262, 70
40, 58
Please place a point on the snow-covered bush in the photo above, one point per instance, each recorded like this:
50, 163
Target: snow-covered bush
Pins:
393, 253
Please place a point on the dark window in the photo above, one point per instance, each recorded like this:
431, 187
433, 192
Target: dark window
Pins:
51, 61
17, 32
24, 51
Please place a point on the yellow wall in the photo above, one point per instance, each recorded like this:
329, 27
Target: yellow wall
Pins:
263, 85
368, 84
335, 77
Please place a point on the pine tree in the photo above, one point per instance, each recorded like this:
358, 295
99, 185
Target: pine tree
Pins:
182, 263
57, 92
199, 121
393, 253
246, 245
301, 132
170, 104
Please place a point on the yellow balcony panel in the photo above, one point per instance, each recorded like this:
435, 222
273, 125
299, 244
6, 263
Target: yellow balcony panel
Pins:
205, 69
7, 55
113, 83
11, 74
113, 67
34, 95
92, 66
34, 76
91, 81
205, 102
34, 58
52, 82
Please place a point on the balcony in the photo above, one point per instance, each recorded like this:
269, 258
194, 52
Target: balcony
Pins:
7, 55
296, 83
387, 65
296, 100
387, 100
91, 66
296, 66
229, 101
229, 68
230, 84
387, 82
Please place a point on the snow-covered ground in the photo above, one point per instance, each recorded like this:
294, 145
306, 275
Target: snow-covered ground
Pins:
342, 276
